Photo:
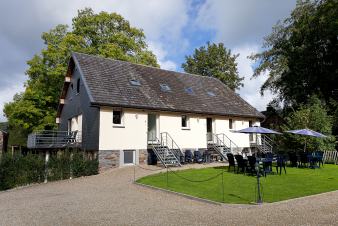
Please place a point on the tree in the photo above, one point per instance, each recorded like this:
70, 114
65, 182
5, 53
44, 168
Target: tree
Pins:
301, 53
214, 60
312, 116
105, 34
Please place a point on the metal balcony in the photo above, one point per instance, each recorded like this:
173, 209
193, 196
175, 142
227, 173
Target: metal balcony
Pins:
54, 139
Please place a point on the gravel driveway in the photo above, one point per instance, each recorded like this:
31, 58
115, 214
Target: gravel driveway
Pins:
112, 199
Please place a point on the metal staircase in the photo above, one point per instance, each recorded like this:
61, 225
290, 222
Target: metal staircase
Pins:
220, 144
265, 145
166, 149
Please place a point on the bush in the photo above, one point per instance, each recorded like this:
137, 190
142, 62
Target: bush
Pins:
21, 170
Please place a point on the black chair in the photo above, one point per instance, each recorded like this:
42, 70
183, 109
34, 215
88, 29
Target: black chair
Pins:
252, 165
198, 157
320, 155
293, 159
241, 164
267, 166
280, 164
188, 156
303, 159
231, 161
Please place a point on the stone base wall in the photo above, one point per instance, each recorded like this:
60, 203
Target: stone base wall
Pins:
111, 158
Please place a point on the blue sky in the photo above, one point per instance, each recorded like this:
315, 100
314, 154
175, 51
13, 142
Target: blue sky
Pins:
174, 28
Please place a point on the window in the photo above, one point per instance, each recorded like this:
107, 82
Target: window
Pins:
117, 117
135, 82
78, 86
250, 123
189, 90
230, 124
165, 87
184, 121
211, 94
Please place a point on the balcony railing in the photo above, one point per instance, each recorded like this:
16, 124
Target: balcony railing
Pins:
54, 139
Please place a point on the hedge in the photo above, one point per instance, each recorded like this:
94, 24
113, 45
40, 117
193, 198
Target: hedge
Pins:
19, 170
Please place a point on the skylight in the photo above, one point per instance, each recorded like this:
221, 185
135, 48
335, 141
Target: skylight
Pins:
189, 90
135, 82
212, 94
165, 87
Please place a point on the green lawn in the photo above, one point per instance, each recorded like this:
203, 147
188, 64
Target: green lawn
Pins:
239, 188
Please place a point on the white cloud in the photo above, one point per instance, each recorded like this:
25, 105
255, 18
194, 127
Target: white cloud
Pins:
236, 22
250, 91
161, 55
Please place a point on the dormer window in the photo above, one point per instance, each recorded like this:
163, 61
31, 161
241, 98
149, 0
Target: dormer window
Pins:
189, 90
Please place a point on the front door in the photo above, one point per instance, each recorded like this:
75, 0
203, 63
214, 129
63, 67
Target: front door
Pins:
151, 127
209, 129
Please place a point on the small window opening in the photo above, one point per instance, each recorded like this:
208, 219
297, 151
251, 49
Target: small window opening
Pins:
135, 82
78, 86
212, 94
117, 117
230, 124
165, 87
189, 90
184, 121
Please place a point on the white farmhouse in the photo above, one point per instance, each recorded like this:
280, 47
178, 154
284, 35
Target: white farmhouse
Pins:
121, 112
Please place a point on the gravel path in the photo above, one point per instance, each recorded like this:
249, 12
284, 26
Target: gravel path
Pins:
112, 199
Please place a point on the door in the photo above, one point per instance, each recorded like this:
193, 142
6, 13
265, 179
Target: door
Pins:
152, 127
209, 129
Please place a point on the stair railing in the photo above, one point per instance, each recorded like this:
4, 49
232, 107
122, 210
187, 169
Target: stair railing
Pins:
167, 140
226, 140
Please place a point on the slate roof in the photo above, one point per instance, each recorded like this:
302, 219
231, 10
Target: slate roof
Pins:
108, 84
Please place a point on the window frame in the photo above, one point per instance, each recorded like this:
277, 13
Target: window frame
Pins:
121, 124
187, 122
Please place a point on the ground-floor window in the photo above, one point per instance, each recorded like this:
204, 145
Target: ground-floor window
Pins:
128, 156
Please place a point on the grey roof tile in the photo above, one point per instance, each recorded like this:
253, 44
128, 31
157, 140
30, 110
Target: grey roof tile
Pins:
108, 83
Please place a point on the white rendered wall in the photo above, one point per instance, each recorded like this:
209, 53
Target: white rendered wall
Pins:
133, 134
192, 137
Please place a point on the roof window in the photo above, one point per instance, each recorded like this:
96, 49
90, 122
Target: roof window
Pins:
212, 94
189, 90
135, 82
165, 87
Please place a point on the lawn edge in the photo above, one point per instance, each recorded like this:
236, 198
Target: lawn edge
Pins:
193, 197
230, 204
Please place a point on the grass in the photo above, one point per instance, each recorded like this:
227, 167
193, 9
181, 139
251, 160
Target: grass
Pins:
239, 188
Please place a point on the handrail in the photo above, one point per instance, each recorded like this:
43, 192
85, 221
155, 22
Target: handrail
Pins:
173, 143
231, 142
53, 139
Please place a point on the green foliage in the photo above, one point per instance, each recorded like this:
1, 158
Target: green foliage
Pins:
300, 55
214, 61
105, 34
312, 116
21, 170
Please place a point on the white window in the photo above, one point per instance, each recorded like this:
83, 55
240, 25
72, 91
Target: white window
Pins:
184, 122
117, 117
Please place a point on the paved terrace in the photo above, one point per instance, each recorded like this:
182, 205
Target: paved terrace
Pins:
112, 199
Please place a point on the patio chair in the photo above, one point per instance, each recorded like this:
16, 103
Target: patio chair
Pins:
231, 161
293, 159
252, 165
320, 156
303, 159
281, 163
267, 166
241, 163
198, 157
188, 156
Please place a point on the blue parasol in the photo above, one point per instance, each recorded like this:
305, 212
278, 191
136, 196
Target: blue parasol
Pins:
257, 129
307, 132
